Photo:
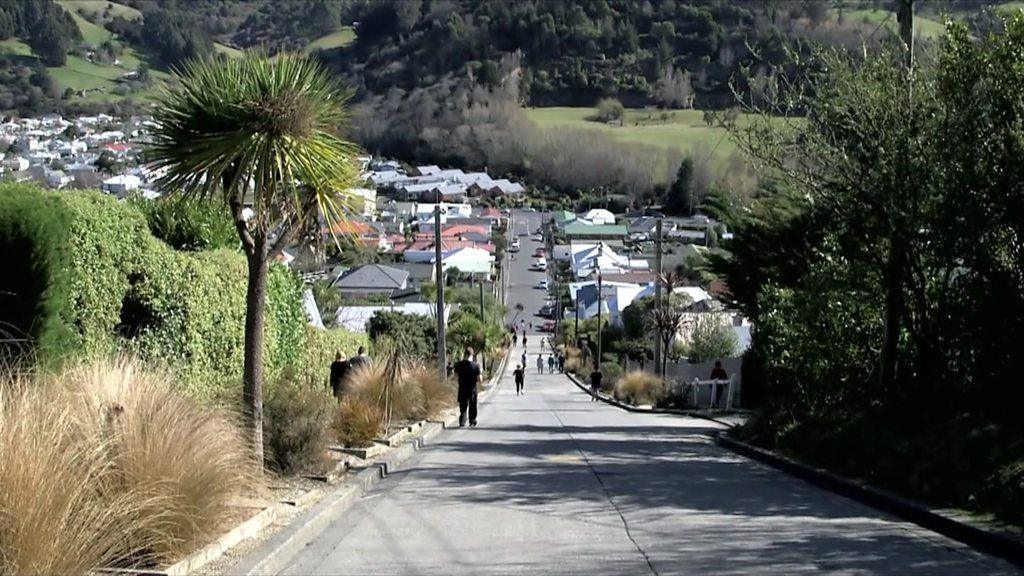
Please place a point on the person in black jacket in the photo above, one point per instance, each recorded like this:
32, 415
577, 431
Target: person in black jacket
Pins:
339, 372
468, 373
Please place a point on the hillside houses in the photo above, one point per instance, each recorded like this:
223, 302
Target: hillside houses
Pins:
69, 153
432, 184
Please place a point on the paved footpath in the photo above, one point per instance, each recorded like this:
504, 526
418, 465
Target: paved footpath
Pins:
552, 483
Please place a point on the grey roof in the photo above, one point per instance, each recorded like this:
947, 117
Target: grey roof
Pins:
373, 276
418, 271
644, 224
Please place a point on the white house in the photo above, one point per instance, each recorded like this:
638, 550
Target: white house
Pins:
363, 201
598, 216
16, 163
355, 318
425, 214
587, 259
468, 260
120, 185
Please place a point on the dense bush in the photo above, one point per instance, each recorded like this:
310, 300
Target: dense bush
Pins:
296, 419
417, 335
888, 339
610, 374
188, 223
107, 465
91, 280
357, 423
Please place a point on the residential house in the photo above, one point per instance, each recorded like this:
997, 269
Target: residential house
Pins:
563, 218
355, 318
588, 259
363, 201
598, 217
121, 185
579, 231
371, 280
646, 227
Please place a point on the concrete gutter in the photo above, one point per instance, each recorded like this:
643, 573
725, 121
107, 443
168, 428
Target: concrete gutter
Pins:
276, 553
652, 410
1004, 545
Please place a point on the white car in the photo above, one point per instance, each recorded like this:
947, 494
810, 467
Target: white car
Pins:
515, 245
538, 238
541, 264
543, 284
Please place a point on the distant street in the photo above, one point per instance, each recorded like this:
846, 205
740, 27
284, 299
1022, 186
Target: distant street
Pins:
552, 483
522, 280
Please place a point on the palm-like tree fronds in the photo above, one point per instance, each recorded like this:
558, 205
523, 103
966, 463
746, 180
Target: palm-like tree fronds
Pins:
259, 130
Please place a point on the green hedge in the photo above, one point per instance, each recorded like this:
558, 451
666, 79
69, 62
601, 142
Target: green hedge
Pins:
94, 281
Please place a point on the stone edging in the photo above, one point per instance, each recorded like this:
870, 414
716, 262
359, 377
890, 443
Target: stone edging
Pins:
630, 408
274, 554
1003, 545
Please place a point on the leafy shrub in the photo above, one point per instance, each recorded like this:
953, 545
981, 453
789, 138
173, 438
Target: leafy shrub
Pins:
188, 223
1004, 492
638, 387
296, 418
417, 335
90, 280
711, 340
319, 350
610, 373
106, 464
357, 422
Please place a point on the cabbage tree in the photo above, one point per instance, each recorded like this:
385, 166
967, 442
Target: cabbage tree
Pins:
259, 133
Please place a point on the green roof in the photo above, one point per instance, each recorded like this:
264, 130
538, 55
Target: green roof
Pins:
580, 229
564, 215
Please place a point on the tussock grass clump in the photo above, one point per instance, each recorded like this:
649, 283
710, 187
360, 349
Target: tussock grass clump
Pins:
296, 424
357, 422
438, 394
105, 464
387, 387
52, 518
640, 388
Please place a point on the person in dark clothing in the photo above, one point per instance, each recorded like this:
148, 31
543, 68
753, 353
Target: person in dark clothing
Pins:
718, 373
339, 372
520, 376
551, 364
524, 359
468, 373
361, 360
561, 363
595, 383
524, 338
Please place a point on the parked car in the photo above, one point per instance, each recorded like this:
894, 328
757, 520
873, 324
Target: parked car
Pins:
539, 253
514, 247
541, 264
538, 238
543, 284
546, 311
548, 326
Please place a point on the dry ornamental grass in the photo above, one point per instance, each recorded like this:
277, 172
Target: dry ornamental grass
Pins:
640, 388
106, 464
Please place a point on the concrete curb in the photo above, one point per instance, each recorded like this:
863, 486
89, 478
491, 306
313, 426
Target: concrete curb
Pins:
998, 544
630, 408
273, 555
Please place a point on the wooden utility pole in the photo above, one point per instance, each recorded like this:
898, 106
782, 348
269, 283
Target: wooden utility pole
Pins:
597, 361
442, 362
657, 296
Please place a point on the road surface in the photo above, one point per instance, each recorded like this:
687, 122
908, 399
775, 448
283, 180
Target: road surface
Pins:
552, 483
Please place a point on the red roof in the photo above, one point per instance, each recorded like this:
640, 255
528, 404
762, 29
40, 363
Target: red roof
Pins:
446, 245
349, 228
490, 213
117, 147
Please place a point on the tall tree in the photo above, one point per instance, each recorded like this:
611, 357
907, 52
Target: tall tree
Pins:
261, 132
680, 194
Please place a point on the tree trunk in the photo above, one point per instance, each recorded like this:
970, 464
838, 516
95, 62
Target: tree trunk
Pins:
252, 373
893, 315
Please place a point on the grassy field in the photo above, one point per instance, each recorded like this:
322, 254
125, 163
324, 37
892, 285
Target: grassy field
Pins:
103, 9
683, 129
923, 27
335, 39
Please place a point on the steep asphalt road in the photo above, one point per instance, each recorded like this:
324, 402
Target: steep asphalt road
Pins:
552, 483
